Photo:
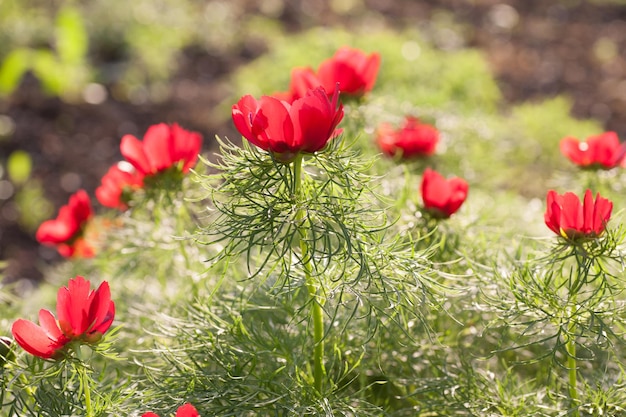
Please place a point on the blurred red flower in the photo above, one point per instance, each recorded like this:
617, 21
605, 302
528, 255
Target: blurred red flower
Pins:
568, 218
116, 184
163, 147
602, 151
412, 139
83, 315
442, 198
286, 129
67, 230
353, 69
186, 410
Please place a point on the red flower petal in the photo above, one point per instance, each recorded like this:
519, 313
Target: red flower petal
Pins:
242, 114
274, 125
34, 339
601, 214
49, 325
54, 231
158, 146
553, 212
186, 147
312, 117
132, 150
101, 310
118, 179
571, 213
72, 305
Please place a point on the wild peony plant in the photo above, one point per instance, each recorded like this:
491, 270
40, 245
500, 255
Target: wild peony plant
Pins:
83, 316
569, 218
602, 151
153, 167
118, 185
164, 147
299, 210
412, 139
442, 197
67, 231
566, 299
350, 69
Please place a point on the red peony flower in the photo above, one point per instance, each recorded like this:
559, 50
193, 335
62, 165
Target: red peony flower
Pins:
186, 410
354, 71
570, 219
413, 139
164, 146
83, 315
286, 129
442, 198
119, 180
602, 151
66, 231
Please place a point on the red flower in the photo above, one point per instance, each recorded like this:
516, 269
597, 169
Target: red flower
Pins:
186, 410
288, 129
164, 146
83, 315
602, 151
354, 71
66, 231
118, 181
567, 217
442, 198
413, 139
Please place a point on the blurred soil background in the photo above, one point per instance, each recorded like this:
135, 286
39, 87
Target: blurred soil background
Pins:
169, 61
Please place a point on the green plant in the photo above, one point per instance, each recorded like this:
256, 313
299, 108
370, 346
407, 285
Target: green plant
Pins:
63, 72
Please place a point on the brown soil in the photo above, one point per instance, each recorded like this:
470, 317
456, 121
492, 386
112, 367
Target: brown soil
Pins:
537, 49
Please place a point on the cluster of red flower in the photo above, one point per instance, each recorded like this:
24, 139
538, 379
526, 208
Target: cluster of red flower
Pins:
565, 214
165, 148
304, 120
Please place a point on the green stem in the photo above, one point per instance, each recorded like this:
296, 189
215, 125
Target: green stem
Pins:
572, 367
317, 313
84, 381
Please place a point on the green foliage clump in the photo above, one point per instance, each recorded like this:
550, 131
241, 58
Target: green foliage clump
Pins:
62, 72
